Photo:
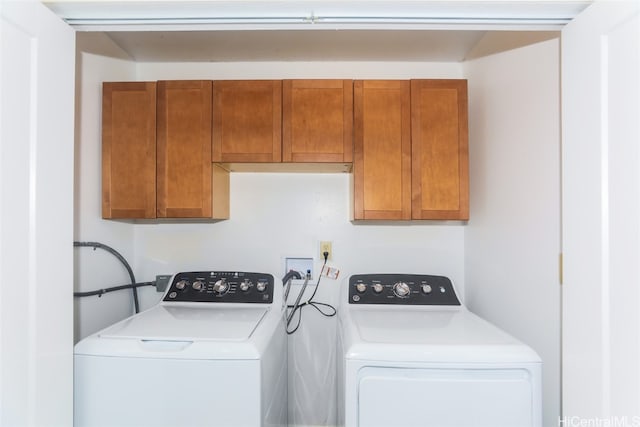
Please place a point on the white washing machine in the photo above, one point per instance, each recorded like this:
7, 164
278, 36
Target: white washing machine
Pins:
211, 353
409, 354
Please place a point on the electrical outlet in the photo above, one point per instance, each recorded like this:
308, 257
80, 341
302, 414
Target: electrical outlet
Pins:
325, 246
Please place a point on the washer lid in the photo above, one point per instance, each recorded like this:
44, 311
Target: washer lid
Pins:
194, 323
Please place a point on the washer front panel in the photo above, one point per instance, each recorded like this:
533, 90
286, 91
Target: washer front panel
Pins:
160, 392
401, 289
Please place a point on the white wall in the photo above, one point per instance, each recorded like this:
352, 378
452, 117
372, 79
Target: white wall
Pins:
275, 215
97, 60
512, 241
298, 70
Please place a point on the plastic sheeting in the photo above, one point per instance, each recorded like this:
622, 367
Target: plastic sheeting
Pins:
312, 360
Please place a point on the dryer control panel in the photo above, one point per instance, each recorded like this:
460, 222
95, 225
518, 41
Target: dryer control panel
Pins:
221, 286
407, 289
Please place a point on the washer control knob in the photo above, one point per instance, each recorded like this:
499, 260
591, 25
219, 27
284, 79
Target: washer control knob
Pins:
220, 287
361, 287
197, 285
426, 288
401, 289
244, 286
378, 288
181, 285
261, 286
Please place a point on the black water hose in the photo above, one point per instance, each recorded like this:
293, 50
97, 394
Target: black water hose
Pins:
124, 262
100, 292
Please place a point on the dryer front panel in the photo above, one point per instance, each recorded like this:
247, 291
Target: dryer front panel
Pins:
450, 397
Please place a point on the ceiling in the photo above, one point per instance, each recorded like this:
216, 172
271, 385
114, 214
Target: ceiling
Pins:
297, 45
312, 30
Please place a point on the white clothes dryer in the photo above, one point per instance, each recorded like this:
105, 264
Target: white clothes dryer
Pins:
409, 354
211, 353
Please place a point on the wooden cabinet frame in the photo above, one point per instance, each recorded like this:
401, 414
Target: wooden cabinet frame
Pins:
317, 121
382, 150
247, 121
157, 152
129, 150
440, 149
184, 167
409, 138
411, 158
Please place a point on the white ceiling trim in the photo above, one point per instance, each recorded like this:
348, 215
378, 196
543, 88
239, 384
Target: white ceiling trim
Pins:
108, 15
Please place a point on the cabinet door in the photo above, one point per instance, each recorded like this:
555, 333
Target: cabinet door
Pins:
440, 168
184, 169
317, 121
382, 150
129, 150
247, 121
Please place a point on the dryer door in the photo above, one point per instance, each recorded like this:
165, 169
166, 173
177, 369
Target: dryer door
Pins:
473, 396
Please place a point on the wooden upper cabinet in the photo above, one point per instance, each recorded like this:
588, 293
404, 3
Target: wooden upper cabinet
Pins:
184, 168
317, 121
382, 150
408, 141
247, 121
411, 157
440, 177
129, 150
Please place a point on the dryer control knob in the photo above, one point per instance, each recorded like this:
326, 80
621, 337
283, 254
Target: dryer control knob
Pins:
401, 289
261, 286
361, 287
220, 287
197, 285
181, 285
426, 288
378, 288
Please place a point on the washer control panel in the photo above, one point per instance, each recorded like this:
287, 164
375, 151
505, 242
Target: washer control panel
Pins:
221, 286
407, 289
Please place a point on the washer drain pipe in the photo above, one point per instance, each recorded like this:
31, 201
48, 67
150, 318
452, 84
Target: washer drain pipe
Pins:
124, 262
